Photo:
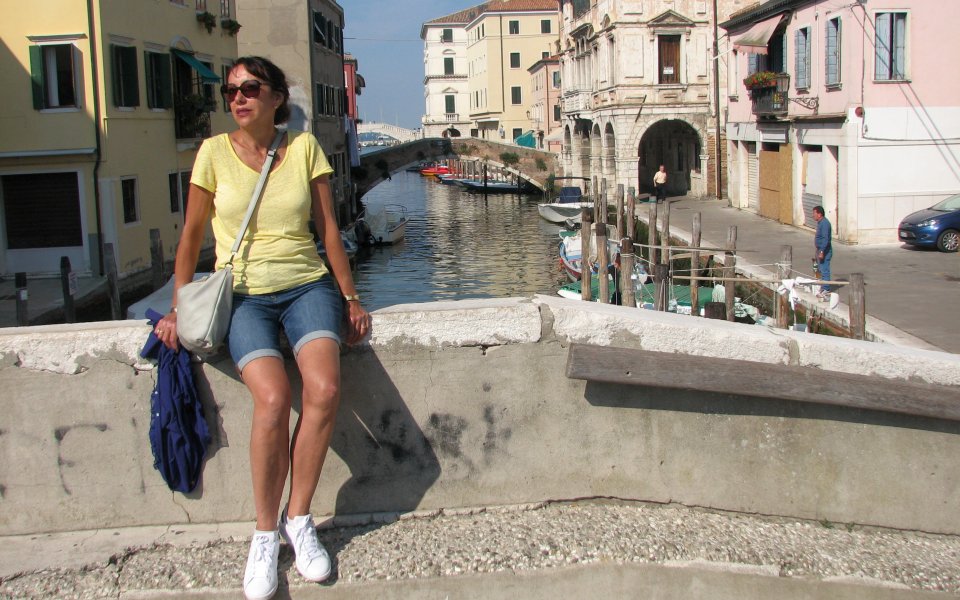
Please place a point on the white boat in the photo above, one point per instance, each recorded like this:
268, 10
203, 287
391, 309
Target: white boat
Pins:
567, 207
382, 224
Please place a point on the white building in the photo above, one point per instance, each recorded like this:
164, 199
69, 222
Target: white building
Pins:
445, 75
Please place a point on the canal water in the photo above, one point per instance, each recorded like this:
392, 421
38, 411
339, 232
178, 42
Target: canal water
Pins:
458, 245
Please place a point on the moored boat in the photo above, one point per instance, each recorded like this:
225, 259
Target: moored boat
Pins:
567, 207
382, 225
571, 252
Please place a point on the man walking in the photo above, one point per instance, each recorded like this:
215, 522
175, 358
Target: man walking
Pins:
660, 183
824, 250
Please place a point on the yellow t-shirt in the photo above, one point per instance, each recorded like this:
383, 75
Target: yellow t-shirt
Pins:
277, 251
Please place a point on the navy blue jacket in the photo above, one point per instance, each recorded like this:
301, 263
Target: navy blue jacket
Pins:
178, 430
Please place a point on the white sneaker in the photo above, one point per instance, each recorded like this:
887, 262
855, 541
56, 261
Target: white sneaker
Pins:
313, 562
260, 578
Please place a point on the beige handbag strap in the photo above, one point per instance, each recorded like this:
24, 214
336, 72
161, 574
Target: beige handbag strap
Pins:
257, 193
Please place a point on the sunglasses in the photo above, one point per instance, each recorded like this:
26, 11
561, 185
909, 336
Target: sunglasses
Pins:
249, 88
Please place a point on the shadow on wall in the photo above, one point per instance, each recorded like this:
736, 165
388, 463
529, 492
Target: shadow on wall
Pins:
391, 462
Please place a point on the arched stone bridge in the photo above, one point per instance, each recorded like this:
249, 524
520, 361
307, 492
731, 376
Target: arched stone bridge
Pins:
532, 165
395, 131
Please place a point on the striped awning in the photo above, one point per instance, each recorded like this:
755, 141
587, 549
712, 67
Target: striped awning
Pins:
756, 38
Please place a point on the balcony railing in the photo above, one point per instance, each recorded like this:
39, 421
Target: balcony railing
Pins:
771, 100
192, 116
451, 117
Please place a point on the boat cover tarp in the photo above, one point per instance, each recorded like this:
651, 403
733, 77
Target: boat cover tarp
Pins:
569, 194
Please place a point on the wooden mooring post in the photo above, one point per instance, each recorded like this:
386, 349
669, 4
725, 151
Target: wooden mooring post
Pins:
695, 267
858, 307
621, 225
23, 313
729, 261
781, 302
156, 259
631, 217
653, 255
627, 260
68, 284
586, 219
661, 286
113, 283
603, 281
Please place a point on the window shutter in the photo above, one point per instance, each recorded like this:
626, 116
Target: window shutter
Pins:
451, 103
166, 81
36, 77
115, 66
899, 46
753, 64
798, 57
882, 63
831, 56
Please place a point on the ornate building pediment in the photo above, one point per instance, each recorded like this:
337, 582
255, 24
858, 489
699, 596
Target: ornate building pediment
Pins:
671, 20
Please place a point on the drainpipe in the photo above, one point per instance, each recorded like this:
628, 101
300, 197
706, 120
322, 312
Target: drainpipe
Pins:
716, 101
94, 74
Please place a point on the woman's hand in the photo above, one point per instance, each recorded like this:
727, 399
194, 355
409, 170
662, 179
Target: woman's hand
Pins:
360, 323
166, 331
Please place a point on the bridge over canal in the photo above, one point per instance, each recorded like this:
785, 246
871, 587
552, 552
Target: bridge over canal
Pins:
530, 164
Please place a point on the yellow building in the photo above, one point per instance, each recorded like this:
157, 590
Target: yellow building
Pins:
504, 40
106, 104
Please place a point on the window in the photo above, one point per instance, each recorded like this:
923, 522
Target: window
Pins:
450, 104
126, 85
159, 80
802, 58
179, 184
556, 79
226, 9
201, 5
515, 95
448, 65
513, 27
514, 60
128, 191
544, 55
209, 89
669, 58
832, 52
517, 132
891, 46
446, 35
545, 26
54, 75
319, 29
556, 112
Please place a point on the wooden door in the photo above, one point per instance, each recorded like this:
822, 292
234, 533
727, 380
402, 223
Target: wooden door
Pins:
669, 53
770, 183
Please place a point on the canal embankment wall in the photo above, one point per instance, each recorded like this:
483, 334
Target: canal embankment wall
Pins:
466, 404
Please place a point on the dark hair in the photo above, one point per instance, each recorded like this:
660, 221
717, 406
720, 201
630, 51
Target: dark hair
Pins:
819, 209
264, 69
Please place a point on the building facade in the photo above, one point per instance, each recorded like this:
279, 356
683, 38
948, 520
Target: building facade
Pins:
504, 39
446, 95
545, 104
107, 103
640, 90
845, 105
305, 39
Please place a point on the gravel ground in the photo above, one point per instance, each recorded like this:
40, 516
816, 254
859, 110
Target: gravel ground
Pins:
541, 537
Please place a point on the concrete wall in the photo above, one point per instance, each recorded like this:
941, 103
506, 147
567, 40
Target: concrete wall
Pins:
466, 404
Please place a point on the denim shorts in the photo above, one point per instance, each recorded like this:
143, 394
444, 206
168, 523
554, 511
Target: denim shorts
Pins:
305, 313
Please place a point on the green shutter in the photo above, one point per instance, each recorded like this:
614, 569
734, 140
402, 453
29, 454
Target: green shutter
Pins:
36, 76
131, 77
148, 75
166, 81
116, 73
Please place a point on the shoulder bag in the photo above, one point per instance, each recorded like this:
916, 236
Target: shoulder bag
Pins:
204, 306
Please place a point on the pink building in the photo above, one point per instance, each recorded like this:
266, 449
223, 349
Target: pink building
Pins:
545, 103
353, 84
851, 105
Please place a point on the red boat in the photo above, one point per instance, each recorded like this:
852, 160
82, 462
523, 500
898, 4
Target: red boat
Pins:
435, 170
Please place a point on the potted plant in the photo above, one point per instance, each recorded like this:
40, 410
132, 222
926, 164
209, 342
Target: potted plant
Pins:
761, 79
207, 19
230, 26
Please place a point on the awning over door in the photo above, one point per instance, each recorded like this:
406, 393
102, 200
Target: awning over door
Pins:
202, 70
756, 38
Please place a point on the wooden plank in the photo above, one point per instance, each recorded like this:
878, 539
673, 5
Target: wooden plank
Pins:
761, 380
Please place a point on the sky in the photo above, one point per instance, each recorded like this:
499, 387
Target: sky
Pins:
384, 36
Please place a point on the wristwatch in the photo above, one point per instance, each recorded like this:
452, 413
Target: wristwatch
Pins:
351, 297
